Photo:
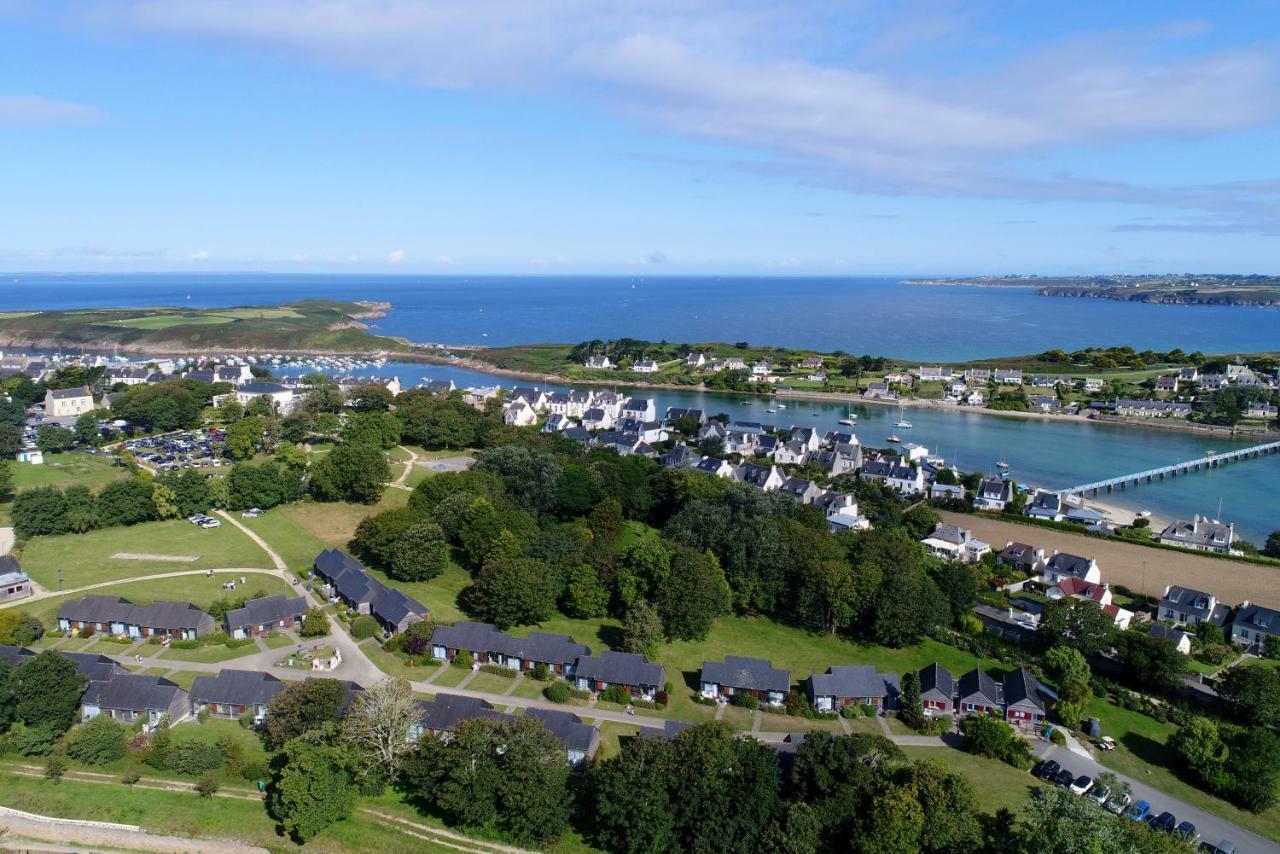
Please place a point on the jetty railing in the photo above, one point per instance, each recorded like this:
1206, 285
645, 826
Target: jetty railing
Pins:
1213, 460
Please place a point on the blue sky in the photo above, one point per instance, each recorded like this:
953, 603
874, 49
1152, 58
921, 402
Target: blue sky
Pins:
583, 136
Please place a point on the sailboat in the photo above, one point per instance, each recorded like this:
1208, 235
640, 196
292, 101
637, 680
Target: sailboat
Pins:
850, 419
902, 422
1002, 462
893, 437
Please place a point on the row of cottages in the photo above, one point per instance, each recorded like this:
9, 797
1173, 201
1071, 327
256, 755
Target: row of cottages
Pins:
115, 615
753, 677
265, 614
130, 697
853, 685
345, 580
953, 543
233, 693
485, 644
1065, 576
1248, 625
442, 716
1016, 697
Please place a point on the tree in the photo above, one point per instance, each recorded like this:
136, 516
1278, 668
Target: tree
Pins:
301, 707
642, 631
1199, 747
164, 501
354, 473
190, 491
168, 405
244, 437
364, 627
920, 521
126, 502
894, 823
696, 594
371, 397
1252, 694
48, 688
1272, 547
315, 624
606, 520
643, 570
376, 726
263, 485
6, 481
515, 591
10, 440
18, 628
1149, 661
86, 430
1066, 664
207, 786
585, 597
479, 530
910, 708
379, 429
99, 741
530, 476
1253, 768
1055, 820
420, 553
377, 533
988, 735
1079, 624
54, 440
312, 789
948, 803
726, 783
629, 798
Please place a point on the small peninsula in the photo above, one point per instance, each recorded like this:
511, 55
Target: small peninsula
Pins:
1173, 289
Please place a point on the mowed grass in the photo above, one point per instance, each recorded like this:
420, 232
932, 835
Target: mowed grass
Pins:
68, 469
211, 654
196, 589
297, 545
1141, 753
334, 524
87, 558
995, 784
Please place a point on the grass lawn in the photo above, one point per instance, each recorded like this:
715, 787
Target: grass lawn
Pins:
440, 594
154, 671
297, 545
610, 733
450, 678
210, 654
334, 524
995, 784
278, 640
86, 558
392, 664
196, 589
185, 678
770, 722
1140, 752
530, 689
490, 683
1197, 666
68, 469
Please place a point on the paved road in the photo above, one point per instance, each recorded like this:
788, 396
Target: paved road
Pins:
6, 540
1212, 828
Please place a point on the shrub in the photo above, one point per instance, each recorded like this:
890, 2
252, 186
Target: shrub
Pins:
1058, 737
207, 786
203, 715
193, 757
869, 711
641, 703
86, 632
97, 742
541, 672
131, 776
54, 767
363, 627
315, 624
246, 720
462, 660
557, 692
744, 701
185, 644
499, 670
252, 771
31, 740
704, 701
577, 694
616, 694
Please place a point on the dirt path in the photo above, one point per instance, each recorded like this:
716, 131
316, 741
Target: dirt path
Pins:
232, 570
401, 482
1138, 567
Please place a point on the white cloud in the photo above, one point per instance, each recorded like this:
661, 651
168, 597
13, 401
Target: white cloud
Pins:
202, 255
395, 256
35, 110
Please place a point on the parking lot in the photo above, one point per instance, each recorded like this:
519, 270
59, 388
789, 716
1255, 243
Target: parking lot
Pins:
186, 449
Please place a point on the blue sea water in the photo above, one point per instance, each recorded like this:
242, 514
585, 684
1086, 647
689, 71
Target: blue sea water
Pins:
880, 316
858, 315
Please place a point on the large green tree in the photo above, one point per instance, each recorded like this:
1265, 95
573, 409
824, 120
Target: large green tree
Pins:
311, 789
48, 688
695, 594
420, 553
630, 798
302, 707
515, 591
1252, 694
354, 473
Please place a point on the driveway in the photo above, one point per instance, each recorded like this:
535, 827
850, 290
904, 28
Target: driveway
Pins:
6, 540
1212, 828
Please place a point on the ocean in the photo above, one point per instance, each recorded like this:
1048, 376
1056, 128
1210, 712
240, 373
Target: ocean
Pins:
857, 315
879, 316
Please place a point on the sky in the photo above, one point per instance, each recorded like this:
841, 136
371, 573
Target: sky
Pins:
639, 138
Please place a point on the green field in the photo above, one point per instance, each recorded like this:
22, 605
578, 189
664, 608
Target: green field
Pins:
211, 654
296, 544
994, 783
72, 468
87, 558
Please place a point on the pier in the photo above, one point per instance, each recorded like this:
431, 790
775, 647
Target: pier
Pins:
1150, 475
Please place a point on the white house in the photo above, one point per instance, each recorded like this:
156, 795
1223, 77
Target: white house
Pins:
645, 366
951, 542
599, 363
68, 402
281, 397
519, 414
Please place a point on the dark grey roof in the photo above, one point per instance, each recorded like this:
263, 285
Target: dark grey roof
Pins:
1169, 633
15, 655
1258, 619
265, 610
132, 691
671, 729
9, 563
93, 666
755, 674
578, 433
567, 727
978, 682
485, 638
236, 688
709, 464
1188, 600
447, 711
995, 489
1069, 564
348, 578
114, 609
935, 677
620, 668
1018, 553
854, 680
65, 393
1020, 687
262, 388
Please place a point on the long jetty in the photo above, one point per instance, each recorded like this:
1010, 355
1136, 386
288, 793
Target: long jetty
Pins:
1151, 475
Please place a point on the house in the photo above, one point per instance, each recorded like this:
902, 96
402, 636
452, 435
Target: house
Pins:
639, 408
695, 360
978, 693
713, 431
641, 678
581, 740
946, 491
841, 459
536, 399
1026, 559
128, 375
675, 413
993, 494
645, 366
841, 510
68, 402
1061, 565
1261, 411
128, 697
811, 363
1045, 505
440, 387
937, 690
610, 401
977, 375
754, 677
681, 456
853, 685
265, 614
557, 423
1023, 707
1183, 606
761, 369
951, 542
345, 581
803, 491
441, 716
975, 398
1181, 640
934, 374
1077, 588
476, 398
94, 666
806, 436
879, 391
519, 414
1093, 384
1046, 403
599, 363
281, 397
767, 478
905, 479
1143, 408
715, 466
1253, 624
596, 418
735, 363
233, 693
1008, 376
1201, 533
15, 655
234, 374
1189, 375
485, 644
117, 616
14, 583
1167, 383
790, 453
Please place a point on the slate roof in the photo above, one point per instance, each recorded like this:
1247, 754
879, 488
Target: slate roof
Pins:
485, 637
1184, 599
567, 727
854, 680
979, 683
236, 688
132, 691
1018, 553
8, 564
68, 393
15, 655
995, 489
263, 388
266, 610
1069, 564
620, 668
115, 609
754, 674
447, 711
1257, 618
93, 666
935, 677
1020, 687
347, 577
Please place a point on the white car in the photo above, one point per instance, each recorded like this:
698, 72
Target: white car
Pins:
1100, 794
210, 523
1081, 785
251, 513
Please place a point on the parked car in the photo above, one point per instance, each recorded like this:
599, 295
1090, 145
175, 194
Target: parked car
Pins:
1105, 743
210, 523
1082, 784
251, 513
1064, 778
1047, 770
1100, 794
1119, 803
1226, 846
1164, 822
197, 518
1186, 831
1139, 811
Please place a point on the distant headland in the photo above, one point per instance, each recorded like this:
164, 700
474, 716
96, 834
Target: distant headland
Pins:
1173, 289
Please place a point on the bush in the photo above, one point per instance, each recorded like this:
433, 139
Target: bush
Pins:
704, 701
186, 644
869, 711
641, 703
31, 740
207, 786
203, 715
97, 742
616, 694
246, 720
54, 767
363, 627
541, 672
315, 624
193, 757
499, 670
462, 660
1057, 736
253, 771
557, 692
86, 632
744, 701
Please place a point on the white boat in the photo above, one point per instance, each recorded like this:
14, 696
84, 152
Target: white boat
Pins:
1002, 464
893, 438
850, 418
848, 422
771, 410
903, 424
782, 406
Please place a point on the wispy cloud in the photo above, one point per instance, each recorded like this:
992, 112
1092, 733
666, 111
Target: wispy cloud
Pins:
37, 110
